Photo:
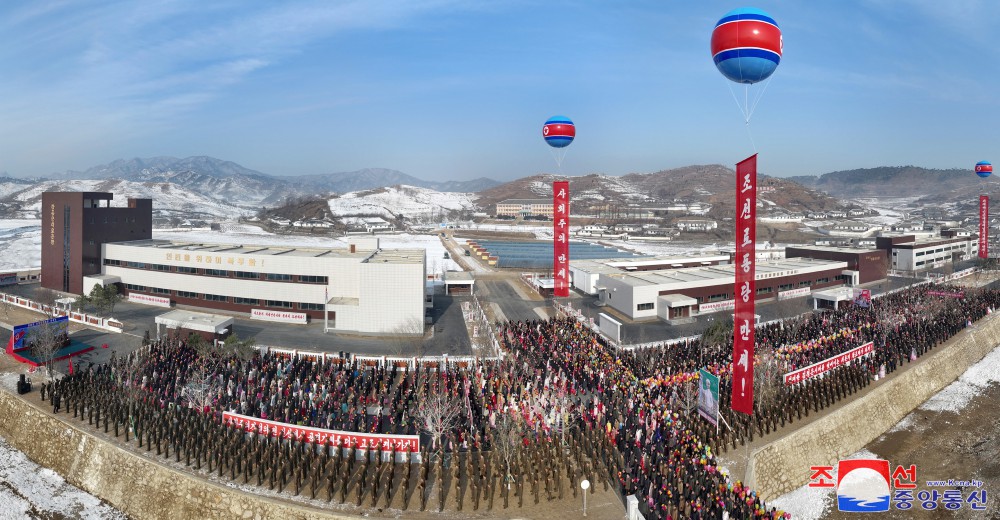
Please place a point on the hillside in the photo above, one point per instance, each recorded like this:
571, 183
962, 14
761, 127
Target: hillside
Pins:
713, 185
896, 181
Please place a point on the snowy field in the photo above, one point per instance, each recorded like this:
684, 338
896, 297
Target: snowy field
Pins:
814, 503
20, 244
407, 201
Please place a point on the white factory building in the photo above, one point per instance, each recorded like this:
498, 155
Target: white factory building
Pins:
361, 289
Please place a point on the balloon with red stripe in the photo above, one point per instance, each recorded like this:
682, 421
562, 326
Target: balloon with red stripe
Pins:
559, 131
984, 169
746, 45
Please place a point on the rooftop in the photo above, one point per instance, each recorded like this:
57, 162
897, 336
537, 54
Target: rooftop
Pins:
836, 249
247, 250
723, 272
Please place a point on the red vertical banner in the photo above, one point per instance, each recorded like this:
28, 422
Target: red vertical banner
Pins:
984, 226
560, 237
744, 291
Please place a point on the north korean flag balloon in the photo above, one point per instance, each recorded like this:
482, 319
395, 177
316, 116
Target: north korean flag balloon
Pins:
746, 45
984, 169
559, 131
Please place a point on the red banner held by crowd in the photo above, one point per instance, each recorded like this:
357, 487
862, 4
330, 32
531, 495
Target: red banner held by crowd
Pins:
984, 226
560, 237
364, 441
744, 291
828, 364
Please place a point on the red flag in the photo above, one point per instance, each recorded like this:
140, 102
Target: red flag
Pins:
744, 291
560, 237
984, 226
71, 366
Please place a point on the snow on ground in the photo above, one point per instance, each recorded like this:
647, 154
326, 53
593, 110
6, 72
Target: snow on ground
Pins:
30, 491
21, 246
436, 262
808, 503
408, 201
666, 248
972, 383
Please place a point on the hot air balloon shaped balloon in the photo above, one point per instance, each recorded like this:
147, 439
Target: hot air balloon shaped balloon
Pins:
746, 48
559, 132
984, 169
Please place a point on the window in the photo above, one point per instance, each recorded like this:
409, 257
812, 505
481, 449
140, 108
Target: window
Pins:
135, 265
644, 307
311, 306
161, 267
276, 303
312, 279
244, 274
158, 290
215, 298
785, 287
763, 290
920, 263
805, 283
245, 301
188, 270
133, 287
185, 294
823, 280
276, 277
717, 297
108, 261
216, 272
91, 242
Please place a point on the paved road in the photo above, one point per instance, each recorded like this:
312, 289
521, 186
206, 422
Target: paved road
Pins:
447, 336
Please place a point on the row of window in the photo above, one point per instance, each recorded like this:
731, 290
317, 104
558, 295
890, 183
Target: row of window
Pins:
222, 273
226, 299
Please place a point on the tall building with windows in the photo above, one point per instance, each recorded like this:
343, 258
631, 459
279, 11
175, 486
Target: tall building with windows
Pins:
74, 227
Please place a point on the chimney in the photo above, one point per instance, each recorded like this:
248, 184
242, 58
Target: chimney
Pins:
353, 248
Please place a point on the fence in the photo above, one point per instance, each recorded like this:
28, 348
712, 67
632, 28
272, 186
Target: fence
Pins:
443, 362
109, 324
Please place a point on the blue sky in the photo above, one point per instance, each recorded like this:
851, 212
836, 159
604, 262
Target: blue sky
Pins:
459, 89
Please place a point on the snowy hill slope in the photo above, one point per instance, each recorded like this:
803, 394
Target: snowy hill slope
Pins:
409, 202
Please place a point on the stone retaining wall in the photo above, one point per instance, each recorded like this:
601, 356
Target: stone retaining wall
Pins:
140, 487
783, 465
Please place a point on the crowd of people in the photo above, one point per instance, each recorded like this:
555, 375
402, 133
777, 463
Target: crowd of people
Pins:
627, 416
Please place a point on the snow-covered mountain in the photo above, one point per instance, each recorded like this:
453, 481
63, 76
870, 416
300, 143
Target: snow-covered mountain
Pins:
409, 202
169, 200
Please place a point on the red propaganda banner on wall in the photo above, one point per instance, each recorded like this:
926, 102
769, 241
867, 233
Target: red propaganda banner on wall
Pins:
828, 364
744, 290
560, 237
984, 226
363, 441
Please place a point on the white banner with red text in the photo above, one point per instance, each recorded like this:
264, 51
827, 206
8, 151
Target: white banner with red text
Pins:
984, 226
158, 301
279, 316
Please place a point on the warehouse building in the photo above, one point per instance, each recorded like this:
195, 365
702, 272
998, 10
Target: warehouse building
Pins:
912, 253
584, 274
677, 294
869, 264
362, 288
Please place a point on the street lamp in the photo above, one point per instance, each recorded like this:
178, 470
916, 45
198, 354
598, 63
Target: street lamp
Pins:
585, 485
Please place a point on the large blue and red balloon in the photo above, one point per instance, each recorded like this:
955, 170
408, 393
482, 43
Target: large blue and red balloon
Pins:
984, 169
559, 131
746, 45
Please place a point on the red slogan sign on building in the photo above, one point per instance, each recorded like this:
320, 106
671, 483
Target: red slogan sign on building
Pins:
984, 226
336, 438
560, 237
828, 364
744, 291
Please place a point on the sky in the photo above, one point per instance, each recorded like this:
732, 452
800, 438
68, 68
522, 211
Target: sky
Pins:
456, 89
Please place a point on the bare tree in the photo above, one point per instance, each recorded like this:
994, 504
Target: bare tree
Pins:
5, 307
508, 436
44, 340
200, 387
438, 415
768, 380
408, 339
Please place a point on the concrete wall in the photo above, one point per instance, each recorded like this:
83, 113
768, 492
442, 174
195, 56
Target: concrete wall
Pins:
783, 465
139, 486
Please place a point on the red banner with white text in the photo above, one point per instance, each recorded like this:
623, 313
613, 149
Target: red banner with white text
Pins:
828, 364
336, 438
560, 237
744, 291
984, 226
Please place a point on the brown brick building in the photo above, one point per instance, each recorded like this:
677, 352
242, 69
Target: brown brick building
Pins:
870, 264
74, 227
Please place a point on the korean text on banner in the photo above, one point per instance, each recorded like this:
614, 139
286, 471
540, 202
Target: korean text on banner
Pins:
744, 290
984, 226
364, 441
560, 237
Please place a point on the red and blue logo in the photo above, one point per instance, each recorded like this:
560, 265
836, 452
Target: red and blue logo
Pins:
863, 485
984, 169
